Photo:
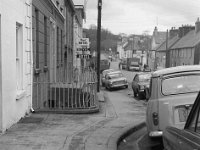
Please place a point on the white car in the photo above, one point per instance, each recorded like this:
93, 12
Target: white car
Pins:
103, 75
172, 94
115, 80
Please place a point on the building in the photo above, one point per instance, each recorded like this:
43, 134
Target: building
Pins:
15, 61
137, 46
48, 32
158, 38
161, 51
78, 34
69, 40
187, 50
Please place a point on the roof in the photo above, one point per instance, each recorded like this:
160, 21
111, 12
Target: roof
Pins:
189, 40
171, 42
178, 69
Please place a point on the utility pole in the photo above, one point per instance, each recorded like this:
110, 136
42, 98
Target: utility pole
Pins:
167, 59
98, 43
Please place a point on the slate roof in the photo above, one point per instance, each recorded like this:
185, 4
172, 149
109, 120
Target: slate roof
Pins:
189, 40
171, 42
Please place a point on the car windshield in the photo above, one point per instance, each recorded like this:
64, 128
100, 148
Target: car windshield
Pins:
107, 71
145, 77
181, 84
115, 75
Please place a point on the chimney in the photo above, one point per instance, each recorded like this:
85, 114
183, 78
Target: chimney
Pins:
184, 30
197, 26
155, 31
173, 32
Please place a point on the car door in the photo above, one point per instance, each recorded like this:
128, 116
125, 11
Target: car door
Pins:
170, 138
190, 136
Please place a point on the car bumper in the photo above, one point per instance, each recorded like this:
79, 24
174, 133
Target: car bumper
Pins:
118, 85
134, 68
155, 133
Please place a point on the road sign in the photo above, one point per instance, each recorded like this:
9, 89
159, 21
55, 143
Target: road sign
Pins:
83, 49
84, 42
84, 56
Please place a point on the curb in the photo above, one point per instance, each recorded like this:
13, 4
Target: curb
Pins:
126, 131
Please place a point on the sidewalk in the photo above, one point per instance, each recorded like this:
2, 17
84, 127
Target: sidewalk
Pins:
99, 131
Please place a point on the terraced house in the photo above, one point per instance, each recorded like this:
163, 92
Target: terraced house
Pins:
36, 60
181, 47
186, 50
15, 61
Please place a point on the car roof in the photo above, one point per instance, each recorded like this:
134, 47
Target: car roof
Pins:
178, 69
114, 72
108, 70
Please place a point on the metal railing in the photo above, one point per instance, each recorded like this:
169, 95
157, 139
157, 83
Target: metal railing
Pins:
79, 92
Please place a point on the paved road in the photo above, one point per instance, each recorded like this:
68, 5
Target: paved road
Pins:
140, 137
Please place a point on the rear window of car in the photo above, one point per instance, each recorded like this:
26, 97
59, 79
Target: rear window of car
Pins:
134, 64
181, 84
144, 77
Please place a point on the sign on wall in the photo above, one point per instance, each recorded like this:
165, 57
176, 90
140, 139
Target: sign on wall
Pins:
83, 50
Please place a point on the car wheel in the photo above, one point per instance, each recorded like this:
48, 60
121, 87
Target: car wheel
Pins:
134, 93
146, 93
102, 84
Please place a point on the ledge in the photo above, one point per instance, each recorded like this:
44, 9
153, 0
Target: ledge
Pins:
20, 94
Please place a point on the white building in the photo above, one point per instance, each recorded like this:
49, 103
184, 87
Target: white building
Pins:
78, 32
15, 61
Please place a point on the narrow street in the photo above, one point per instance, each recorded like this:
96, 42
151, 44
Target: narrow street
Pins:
122, 97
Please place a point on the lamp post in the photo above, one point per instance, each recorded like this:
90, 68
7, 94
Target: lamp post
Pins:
98, 43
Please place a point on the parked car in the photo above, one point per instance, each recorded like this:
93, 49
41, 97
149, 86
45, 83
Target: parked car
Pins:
187, 138
124, 63
134, 66
115, 80
104, 74
140, 84
172, 93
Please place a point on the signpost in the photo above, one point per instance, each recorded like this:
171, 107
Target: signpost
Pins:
83, 50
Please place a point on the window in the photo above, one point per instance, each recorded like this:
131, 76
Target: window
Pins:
57, 37
61, 45
37, 38
181, 84
45, 41
19, 56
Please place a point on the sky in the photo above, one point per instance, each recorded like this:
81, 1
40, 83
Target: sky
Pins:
139, 16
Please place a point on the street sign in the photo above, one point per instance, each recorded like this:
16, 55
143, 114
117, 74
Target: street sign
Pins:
84, 56
83, 49
84, 42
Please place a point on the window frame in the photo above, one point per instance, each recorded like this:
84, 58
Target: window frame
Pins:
19, 56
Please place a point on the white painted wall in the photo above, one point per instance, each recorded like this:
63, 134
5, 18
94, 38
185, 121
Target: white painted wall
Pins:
12, 110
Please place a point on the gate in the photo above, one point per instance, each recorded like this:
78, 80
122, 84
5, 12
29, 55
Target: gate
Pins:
63, 94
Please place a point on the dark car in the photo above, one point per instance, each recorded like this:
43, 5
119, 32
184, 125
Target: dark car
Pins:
187, 138
124, 64
140, 84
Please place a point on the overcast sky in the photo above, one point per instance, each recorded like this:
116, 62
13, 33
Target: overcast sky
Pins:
137, 16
